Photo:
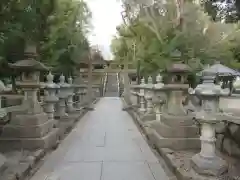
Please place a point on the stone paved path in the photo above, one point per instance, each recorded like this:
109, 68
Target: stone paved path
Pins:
105, 145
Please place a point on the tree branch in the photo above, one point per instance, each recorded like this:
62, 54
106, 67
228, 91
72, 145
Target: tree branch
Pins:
154, 27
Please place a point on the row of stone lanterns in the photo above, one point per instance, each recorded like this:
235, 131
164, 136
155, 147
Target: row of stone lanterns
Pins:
172, 120
59, 98
39, 124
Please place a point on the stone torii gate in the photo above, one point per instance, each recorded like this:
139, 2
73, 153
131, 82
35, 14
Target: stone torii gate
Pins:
123, 70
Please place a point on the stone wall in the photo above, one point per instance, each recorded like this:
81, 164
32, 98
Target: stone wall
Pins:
228, 138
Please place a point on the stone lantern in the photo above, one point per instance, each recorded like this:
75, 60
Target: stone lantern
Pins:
63, 94
138, 90
175, 88
72, 110
174, 128
148, 95
207, 162
142, 108
30, 127
70, 107
159, 96
30, 73
50, 98
80, 92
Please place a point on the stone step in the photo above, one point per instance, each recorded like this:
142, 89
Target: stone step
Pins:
173, 143
175, 132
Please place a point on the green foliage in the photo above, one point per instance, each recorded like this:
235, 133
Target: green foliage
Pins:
66, 41
229, 11
160, 30
221, 9
57, 27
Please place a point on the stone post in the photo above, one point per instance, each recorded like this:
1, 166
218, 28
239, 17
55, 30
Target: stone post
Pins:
207, 162
50, 98
141, 94
62, 95
80, 93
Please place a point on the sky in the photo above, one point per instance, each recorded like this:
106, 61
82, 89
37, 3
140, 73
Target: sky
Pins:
106, 16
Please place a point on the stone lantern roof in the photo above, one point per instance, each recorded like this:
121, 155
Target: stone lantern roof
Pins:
220, 70
178, 68
29, 65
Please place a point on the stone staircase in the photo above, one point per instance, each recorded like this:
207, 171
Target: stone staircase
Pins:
112, 85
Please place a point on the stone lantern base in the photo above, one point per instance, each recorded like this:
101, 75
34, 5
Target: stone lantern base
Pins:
46, 142
214, 166
175, 132
29, 131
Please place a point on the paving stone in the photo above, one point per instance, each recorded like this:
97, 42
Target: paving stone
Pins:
22, 170
2, 162
157, 171
79, 171
104, 145
8, 177
126, 170
85, 154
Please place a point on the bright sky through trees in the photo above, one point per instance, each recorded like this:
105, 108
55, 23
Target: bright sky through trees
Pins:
106, 16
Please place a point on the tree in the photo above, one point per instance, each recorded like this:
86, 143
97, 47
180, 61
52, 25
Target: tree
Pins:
67, 42
227, 10
58, 28
166, 27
